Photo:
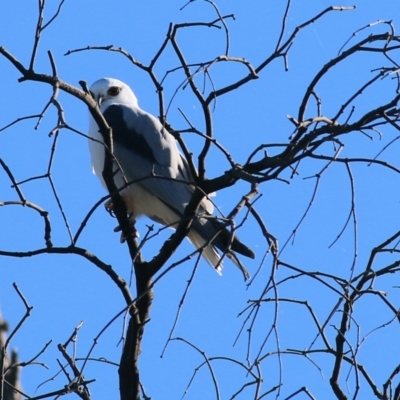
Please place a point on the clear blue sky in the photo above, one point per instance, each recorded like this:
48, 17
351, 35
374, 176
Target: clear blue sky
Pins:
65, 290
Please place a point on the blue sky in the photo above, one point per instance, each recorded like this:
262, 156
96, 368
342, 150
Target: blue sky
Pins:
65, 290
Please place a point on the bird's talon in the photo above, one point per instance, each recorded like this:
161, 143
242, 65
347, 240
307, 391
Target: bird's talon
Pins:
135, 233
109, 205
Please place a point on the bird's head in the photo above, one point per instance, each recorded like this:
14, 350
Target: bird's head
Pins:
108, 91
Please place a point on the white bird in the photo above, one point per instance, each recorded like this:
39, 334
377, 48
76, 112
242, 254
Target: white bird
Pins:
145, 149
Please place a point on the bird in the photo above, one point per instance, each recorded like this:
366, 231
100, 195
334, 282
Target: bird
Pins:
146, 154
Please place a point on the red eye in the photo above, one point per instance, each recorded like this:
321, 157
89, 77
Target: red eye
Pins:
113, 91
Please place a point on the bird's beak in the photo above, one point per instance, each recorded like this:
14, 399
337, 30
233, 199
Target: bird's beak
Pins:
97, 100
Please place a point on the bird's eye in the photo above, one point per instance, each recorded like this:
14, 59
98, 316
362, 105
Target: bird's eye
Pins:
113, 91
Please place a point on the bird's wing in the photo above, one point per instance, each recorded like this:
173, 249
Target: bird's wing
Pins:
145, 149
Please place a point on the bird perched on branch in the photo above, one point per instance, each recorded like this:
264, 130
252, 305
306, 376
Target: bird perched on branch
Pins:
146, 153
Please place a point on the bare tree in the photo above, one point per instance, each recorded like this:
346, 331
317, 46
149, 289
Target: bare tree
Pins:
317, 138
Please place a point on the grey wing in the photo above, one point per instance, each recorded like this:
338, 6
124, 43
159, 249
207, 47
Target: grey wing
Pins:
145, 150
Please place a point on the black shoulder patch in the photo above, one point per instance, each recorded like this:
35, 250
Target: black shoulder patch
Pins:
125, 136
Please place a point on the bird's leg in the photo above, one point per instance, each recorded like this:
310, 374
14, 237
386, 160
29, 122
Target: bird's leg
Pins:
109, 206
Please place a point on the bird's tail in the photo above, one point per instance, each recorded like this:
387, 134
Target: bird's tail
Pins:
212, 229
209, 252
